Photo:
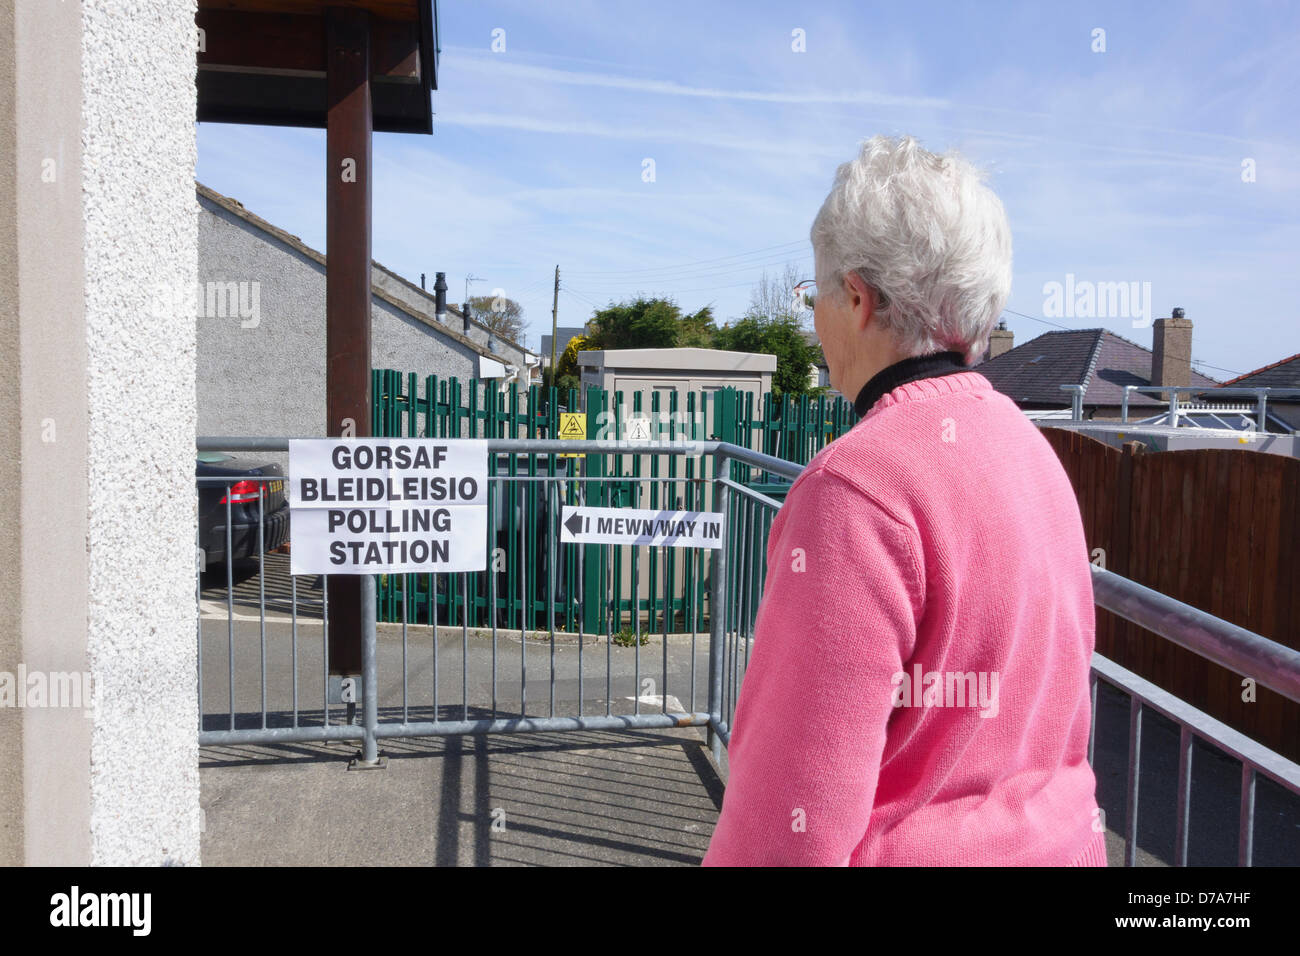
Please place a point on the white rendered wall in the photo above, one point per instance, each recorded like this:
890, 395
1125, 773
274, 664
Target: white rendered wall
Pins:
138, 142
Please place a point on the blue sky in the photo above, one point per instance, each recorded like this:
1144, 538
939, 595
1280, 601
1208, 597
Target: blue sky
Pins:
1123, 165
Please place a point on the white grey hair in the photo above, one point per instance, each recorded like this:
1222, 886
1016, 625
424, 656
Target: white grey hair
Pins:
927, 235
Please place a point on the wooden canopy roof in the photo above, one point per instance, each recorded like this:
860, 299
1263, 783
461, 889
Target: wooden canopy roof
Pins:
264, 62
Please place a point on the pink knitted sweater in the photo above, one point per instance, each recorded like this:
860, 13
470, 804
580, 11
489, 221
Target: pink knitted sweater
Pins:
917, 691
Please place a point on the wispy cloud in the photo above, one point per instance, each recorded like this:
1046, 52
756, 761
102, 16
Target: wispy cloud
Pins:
476, 61
532, 124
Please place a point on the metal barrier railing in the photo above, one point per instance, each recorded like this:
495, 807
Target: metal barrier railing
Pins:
734, 631
1177, 408
735, 575
1269, 663
261, 723
1175, 392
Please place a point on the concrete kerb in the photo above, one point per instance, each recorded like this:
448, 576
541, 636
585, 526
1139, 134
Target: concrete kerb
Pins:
532, 637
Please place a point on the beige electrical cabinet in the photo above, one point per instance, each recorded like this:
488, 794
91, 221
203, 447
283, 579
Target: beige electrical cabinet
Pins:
676, 370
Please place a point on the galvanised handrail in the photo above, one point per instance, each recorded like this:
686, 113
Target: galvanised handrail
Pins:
551, 446
1239, 650
540, 446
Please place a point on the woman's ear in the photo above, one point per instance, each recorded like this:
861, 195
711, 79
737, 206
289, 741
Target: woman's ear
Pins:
861, 299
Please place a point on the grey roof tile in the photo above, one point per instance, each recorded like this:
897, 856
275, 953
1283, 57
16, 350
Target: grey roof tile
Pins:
1281, 374
1098, 359
1033, 372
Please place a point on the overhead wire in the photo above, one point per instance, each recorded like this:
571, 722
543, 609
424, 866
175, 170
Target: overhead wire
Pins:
645, 281
583, 298
765, 252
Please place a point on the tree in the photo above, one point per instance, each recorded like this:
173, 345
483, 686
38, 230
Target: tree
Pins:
639, 324
775, 297
697, 330
650, 323
566, 366
562, 384
781, 336
774, 324
503, 316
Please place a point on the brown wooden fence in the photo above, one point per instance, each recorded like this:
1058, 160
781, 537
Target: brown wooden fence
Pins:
1216, 529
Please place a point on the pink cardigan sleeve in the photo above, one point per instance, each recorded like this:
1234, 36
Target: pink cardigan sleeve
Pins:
838, 618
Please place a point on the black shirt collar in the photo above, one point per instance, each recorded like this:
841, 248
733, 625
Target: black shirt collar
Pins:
908, 370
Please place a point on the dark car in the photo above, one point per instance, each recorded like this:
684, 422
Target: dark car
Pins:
223, 477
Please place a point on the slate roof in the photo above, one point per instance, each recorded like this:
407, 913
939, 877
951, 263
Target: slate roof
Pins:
1098, 359
1281, 374
1284, 373
236, 208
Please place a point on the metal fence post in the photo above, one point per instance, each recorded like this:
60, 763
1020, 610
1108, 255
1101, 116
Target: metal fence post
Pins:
717, 611
369, 680
1076, 401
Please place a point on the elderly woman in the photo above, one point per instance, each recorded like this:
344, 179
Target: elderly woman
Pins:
918, 689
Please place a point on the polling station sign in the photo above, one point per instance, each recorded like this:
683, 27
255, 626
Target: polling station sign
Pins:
381, 505
674, 529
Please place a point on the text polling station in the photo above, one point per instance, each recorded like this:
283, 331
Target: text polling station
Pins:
378, 505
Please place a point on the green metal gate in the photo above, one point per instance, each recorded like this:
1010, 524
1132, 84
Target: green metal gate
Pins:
792, 427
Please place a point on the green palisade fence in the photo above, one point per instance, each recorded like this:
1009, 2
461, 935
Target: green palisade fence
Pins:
793, 427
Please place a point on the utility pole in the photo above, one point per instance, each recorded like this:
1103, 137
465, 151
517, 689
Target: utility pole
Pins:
555, 309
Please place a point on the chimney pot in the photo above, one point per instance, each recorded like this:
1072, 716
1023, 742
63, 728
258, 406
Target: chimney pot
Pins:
1171, 350
440, 295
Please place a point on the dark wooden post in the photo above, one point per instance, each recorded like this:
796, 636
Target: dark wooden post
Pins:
347, 283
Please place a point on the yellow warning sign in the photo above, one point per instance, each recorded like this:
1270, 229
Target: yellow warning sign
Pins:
573, 425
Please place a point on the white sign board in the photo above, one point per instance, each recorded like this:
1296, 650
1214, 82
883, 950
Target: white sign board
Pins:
676, 529
379, 505
637, 429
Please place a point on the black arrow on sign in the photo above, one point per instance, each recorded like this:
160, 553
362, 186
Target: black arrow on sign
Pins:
574, 523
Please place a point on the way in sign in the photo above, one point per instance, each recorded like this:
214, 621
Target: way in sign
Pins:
642, 526
680, 529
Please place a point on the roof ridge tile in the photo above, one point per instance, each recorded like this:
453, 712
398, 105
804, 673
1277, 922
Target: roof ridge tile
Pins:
1262, 368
